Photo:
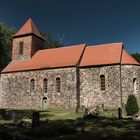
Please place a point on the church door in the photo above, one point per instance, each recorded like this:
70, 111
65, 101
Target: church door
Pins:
44, 103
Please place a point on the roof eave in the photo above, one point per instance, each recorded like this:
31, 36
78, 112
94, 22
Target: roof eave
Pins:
100, 65
45, 68
27, 34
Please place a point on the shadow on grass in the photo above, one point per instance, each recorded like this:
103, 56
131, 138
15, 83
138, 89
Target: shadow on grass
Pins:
79, 129
99, 128
21, 114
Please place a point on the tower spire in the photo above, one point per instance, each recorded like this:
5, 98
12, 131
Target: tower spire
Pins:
28, 28
27, 41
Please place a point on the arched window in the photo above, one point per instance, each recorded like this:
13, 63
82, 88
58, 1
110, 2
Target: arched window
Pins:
135, 85
21, 48
32, 85
102, 82
45, 83
58, 85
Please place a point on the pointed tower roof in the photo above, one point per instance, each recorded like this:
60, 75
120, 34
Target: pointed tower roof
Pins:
28, 28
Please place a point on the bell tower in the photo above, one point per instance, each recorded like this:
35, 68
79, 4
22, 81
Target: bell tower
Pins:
27, 41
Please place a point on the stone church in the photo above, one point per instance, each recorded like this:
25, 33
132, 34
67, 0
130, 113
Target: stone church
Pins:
67, 77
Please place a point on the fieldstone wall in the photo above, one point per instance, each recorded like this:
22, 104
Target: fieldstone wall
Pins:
91, 95
15, 92
129, 73
90, 92
15, 87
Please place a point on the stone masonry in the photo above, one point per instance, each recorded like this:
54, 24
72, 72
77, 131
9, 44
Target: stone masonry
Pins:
16, 89
129, 73
90, 93
31, 44
80, 85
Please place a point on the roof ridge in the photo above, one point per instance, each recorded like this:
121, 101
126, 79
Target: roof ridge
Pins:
48, 59
102, 54
27, 28
36, 28
105, 44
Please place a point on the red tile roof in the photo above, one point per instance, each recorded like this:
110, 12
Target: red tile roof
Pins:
102, 54
28, 28
49, 58
105, 54
128, 59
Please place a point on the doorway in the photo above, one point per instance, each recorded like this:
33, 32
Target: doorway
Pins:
44, 103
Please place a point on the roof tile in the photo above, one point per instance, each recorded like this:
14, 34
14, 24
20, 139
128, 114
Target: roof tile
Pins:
128, 59
102, 54
27, 28
49, 58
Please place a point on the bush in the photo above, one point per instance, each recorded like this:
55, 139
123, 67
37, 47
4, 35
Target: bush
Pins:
131, 105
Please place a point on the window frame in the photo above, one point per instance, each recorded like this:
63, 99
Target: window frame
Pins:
45, 86
21, 44
58, 85
102, 83
32, 85
134, 85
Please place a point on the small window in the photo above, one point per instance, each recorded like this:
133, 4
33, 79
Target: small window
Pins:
58, 85
102, 82
32, 85
45, 83
135, 85
21, 48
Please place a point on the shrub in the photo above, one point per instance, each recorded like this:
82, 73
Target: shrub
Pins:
131, 105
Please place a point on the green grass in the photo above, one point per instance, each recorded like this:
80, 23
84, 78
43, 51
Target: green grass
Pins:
109, 113
58, 124
60, 114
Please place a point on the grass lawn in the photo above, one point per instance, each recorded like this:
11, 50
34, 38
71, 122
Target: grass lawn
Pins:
57, 124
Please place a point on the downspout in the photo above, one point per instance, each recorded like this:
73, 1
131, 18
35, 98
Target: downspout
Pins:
78, 82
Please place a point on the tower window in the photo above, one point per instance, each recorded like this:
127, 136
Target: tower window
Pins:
102, 82
45, 83
58, 85
21, 48
32, 85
